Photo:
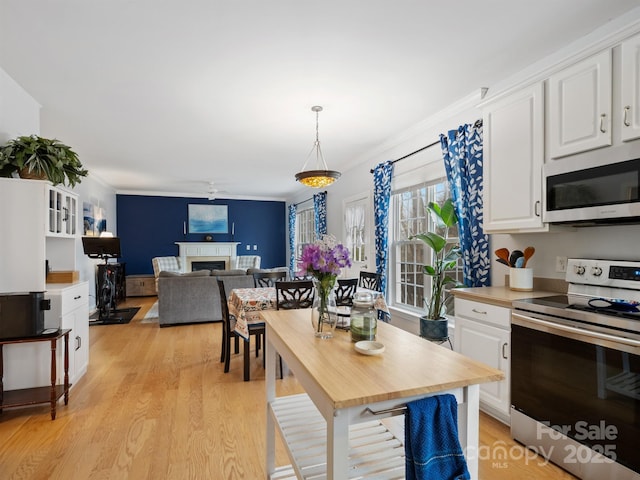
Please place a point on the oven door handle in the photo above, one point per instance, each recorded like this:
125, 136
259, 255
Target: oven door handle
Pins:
596, 338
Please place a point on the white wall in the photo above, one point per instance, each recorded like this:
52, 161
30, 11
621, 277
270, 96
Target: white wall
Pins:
19, 112
20, 115
98, 193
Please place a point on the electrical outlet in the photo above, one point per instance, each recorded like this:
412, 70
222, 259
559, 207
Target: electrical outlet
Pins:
561, 264
255, 247
248, 247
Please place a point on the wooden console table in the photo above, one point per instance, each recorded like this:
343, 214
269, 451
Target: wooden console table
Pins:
38, 395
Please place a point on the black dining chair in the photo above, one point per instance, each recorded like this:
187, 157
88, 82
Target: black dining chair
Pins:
345, 291
291, 295
268, 279
370, 281
294, 294
228, 283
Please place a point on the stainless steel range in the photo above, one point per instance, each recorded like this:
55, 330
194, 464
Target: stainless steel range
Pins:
575, 371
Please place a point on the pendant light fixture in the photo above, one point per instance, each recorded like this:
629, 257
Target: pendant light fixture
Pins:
322, 176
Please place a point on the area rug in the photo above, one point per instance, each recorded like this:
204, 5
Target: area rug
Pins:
152, 315
118, 317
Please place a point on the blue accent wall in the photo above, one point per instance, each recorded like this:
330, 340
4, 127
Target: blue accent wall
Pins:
149, 226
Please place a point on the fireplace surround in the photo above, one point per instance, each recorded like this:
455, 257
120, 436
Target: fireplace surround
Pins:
190, 252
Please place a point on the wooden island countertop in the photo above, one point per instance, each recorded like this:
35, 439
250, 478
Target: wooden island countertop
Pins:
409, 365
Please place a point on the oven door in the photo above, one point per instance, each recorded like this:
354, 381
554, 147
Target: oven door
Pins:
583, 384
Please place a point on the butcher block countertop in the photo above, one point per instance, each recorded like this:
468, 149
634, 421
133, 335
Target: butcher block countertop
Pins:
503, 296
409, 365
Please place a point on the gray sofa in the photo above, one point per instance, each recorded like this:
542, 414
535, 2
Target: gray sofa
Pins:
193, 297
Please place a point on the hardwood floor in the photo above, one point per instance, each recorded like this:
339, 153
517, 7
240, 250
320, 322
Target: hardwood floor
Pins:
155, 404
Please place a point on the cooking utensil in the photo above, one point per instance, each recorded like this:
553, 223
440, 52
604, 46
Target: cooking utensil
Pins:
503, 253
528, 253
504, 262
519, 262
515, 255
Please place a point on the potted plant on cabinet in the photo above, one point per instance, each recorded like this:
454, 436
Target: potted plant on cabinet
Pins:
434, 325
32, 156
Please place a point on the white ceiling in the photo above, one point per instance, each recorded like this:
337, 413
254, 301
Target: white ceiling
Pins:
167, 95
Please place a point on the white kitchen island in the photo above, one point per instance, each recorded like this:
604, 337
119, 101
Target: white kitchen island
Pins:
323, 428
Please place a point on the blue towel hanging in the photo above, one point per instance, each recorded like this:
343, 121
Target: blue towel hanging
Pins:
432, 448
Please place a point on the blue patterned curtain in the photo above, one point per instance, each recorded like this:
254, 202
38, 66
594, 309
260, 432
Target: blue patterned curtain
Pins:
462, 152
320, 213
382, 175
292, 239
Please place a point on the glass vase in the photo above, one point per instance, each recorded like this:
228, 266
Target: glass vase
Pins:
324, 314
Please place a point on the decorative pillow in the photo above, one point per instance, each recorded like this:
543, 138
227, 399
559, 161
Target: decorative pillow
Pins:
197, 273
251, 271
224, 273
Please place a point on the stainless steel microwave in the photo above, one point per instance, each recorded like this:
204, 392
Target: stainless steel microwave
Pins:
603, 194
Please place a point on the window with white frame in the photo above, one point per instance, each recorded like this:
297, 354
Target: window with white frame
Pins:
354, 224
305, 229
410, 217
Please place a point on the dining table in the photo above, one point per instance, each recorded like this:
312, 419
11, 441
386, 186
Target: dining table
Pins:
330, 430
245, 304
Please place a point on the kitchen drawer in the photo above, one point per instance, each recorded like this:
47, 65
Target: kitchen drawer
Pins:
73, 298
483, 312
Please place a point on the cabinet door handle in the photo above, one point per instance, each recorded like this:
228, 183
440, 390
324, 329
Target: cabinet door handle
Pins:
478, 311
66, 213
78, 297
536, 208
505, 354
78, 343
602, 117
626, 118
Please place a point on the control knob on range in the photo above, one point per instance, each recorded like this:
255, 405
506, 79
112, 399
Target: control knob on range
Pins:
579, 269
596, 271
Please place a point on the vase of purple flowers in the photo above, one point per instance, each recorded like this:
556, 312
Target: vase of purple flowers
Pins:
324, 260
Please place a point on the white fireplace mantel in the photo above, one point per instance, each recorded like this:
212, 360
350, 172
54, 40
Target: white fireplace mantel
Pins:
201, 251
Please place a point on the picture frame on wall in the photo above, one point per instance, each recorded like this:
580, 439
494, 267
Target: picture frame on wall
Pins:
88, 219
208, 218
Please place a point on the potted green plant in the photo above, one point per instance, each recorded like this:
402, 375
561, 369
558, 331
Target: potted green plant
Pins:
32, 156
434, 324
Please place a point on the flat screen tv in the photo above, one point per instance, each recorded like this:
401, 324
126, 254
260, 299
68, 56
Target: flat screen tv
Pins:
101, 247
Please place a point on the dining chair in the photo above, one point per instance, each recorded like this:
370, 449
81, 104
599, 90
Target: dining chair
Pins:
225, 284
370, 281
294, 294
268, 279
345, 291
291, 295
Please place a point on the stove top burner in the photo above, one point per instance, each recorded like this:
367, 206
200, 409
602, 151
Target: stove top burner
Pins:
577, 308
593, 305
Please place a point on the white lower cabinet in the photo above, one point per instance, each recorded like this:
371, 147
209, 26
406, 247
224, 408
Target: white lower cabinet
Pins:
28, 365
70, 309
483, 332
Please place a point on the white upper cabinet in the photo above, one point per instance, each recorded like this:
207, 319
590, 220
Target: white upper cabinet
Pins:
513, 158
62, 218
630, 89
580, 106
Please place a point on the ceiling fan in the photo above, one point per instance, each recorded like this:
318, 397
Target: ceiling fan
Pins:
211, 192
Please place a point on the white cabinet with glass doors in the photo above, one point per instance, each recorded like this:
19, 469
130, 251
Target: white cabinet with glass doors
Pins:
62, 218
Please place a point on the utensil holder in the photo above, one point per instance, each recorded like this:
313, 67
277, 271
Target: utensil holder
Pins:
521, 279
